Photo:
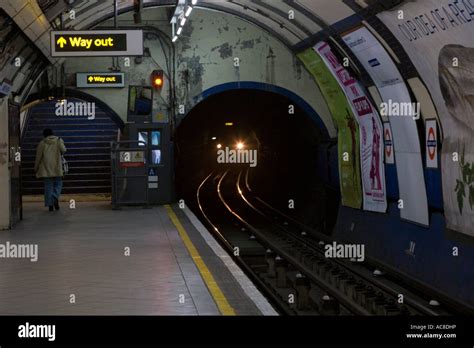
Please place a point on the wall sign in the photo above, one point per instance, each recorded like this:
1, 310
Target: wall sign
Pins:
388, 142
431, 144
96, 43
100, 80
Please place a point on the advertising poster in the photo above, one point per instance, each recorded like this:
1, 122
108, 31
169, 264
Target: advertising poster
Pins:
370, 132
438, 36
347, 129
401, 113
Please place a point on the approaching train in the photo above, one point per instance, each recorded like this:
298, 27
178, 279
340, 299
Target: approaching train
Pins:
234, 144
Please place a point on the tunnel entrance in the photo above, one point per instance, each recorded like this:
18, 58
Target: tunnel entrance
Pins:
87, 129
286, 141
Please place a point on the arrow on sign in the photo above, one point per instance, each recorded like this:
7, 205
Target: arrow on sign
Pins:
61, 42
90, 78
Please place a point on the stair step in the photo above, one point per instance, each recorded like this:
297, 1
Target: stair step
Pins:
86, 137
72, 190
70, 122
47, 115
72, 132
74, 157
71, 176
71, 144
70, 150
75, 170
72, 183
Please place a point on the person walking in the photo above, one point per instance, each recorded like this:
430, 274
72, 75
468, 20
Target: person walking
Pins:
48, 166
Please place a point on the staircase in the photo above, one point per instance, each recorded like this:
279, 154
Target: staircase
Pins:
87, 143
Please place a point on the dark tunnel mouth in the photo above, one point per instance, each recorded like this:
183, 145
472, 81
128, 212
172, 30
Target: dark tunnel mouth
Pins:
278, 149
267, 87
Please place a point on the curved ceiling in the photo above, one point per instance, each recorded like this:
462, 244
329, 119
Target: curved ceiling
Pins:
293, 22
308, 16
290, 21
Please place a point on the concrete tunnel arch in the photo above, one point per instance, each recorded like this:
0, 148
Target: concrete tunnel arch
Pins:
308, 153
260, 86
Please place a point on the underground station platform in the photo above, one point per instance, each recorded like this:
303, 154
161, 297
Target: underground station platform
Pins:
96, 261
236, 172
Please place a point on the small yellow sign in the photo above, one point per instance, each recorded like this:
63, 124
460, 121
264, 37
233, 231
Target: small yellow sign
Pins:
102, 79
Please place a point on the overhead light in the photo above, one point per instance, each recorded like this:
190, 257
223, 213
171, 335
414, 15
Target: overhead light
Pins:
240, 145
188, 11
180, 29
229, 124
175, 38
179, 10
214, 138
219, 146
182, 11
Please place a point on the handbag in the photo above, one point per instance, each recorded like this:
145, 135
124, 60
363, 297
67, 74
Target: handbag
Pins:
65, 165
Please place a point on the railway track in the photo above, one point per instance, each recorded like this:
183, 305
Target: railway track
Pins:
287, 260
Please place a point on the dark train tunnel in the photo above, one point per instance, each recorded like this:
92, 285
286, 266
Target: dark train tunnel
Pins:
287, 142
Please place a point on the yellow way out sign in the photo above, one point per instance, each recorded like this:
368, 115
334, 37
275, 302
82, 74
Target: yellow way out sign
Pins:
100, 80
96, 43
80, 42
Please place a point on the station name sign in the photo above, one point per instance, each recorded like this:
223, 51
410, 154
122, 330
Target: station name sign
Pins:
100, 80
103, 43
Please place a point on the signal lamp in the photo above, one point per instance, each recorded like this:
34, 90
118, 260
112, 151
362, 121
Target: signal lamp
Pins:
157, 79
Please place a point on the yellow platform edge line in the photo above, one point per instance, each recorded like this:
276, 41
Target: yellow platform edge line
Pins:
224, 307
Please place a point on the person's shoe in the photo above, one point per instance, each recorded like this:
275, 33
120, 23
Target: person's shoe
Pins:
56, 204
51, 208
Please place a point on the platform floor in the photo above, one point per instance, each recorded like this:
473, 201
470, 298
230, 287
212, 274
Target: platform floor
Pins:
83, 269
